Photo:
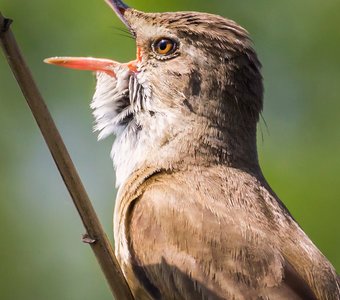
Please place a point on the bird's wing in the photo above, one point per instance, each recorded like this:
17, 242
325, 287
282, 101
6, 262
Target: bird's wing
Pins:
186, 243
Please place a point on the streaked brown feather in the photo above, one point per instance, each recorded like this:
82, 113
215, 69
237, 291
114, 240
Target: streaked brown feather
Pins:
214, 239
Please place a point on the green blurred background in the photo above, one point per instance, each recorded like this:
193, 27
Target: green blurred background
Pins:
41, 256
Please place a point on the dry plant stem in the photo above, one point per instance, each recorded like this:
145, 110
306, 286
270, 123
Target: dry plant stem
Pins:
99, 242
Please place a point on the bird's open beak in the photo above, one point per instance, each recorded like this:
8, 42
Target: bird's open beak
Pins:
99, 64
91, 64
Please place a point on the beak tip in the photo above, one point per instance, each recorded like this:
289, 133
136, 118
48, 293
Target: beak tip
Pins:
119, 6
52, 60
47, 60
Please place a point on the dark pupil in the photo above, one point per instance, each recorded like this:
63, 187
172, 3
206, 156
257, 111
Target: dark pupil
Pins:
163, 44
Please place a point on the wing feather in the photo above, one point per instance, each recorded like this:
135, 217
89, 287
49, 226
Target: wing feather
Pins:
184, 248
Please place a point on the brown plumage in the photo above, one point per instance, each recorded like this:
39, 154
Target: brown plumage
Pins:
200, 221
194, 217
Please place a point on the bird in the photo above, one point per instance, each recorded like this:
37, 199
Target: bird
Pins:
194, 215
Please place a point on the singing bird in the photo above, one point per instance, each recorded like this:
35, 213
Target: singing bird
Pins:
194, 216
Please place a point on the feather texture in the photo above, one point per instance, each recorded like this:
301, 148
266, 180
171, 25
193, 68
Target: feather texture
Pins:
194, 217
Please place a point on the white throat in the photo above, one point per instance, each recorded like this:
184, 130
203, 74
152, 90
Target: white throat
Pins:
122, 110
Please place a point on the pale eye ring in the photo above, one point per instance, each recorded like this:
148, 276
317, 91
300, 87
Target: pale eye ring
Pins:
164, 46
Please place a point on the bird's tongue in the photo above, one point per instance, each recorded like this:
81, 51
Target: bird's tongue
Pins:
91, 64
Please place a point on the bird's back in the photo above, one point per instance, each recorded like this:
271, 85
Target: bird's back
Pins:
193, 243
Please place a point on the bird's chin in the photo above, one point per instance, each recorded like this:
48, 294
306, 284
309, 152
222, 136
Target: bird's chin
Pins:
111, 102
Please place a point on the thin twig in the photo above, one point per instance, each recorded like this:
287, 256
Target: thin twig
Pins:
95, 236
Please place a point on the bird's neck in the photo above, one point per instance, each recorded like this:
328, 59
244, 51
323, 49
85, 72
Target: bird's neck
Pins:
164, 136
214, 145
165, 143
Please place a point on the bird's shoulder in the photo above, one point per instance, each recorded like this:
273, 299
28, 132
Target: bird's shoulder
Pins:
211, 233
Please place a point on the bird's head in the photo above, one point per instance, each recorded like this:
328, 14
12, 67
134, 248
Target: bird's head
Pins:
194, 88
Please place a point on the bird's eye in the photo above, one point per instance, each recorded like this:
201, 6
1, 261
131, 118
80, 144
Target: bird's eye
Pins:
164, 46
